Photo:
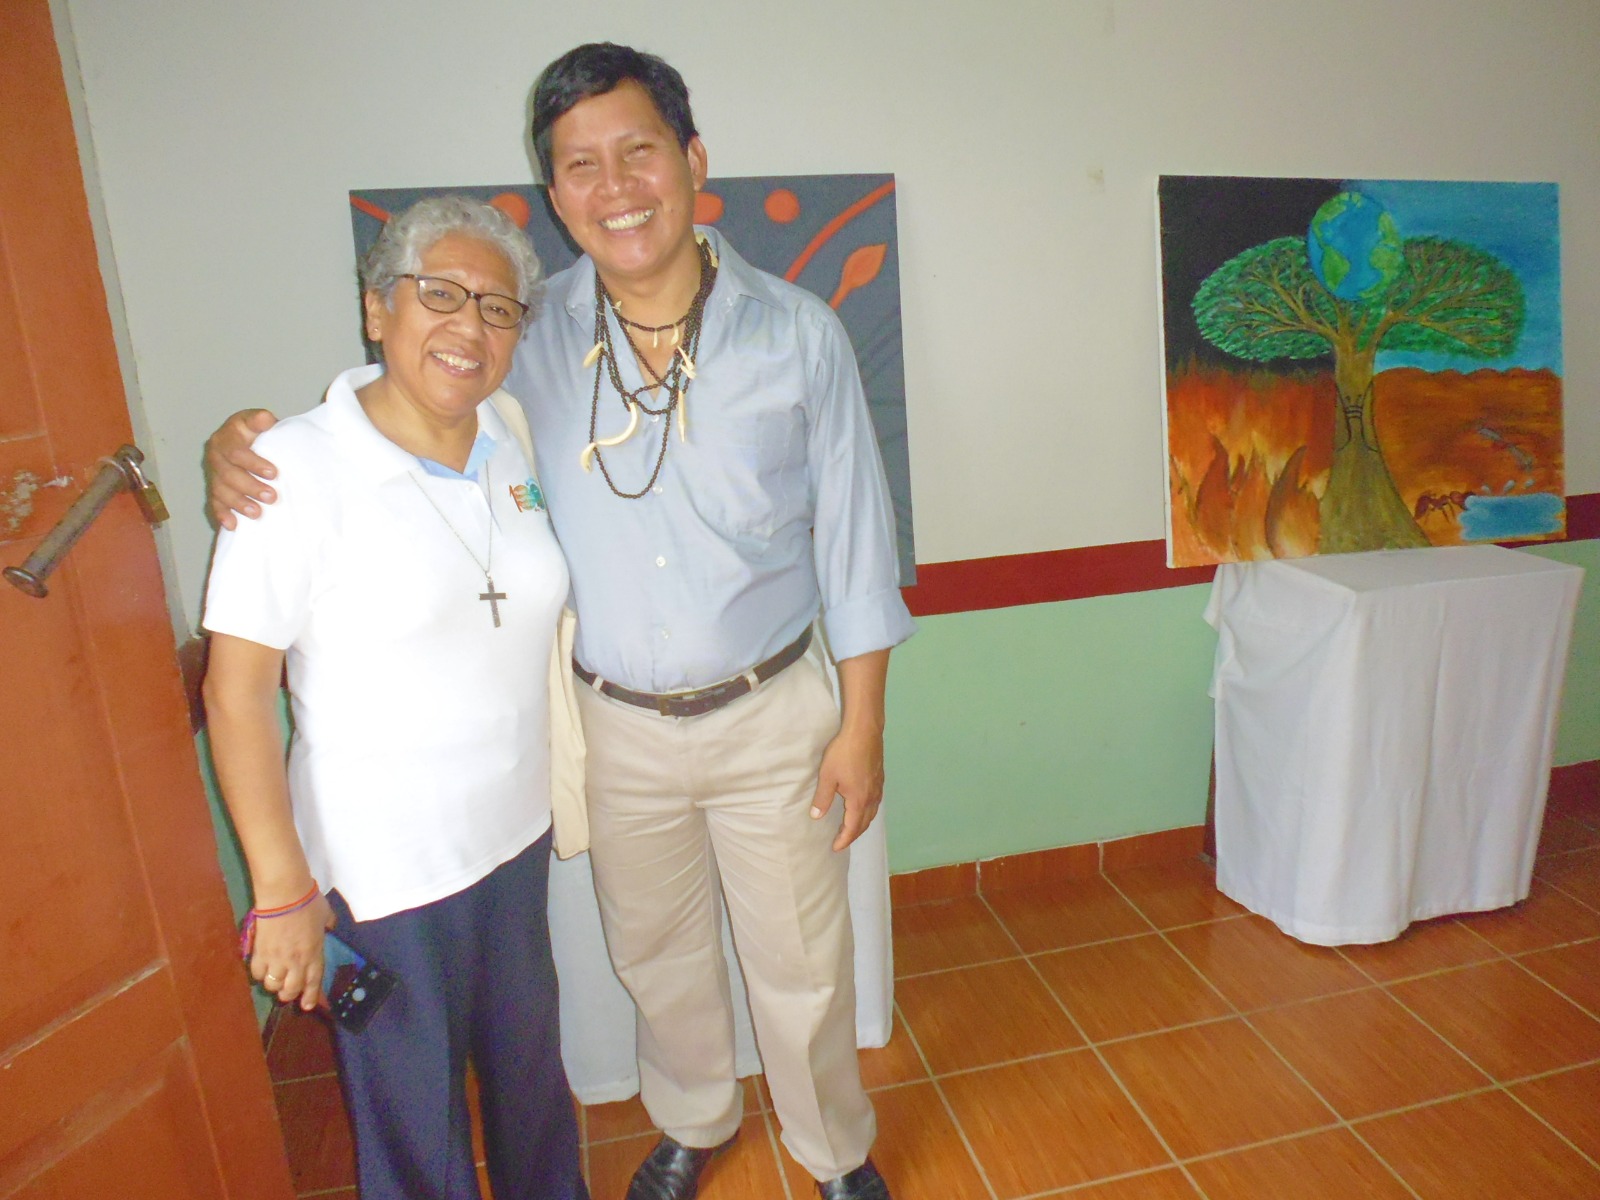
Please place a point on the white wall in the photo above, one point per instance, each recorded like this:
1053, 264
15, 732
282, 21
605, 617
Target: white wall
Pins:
1026, 135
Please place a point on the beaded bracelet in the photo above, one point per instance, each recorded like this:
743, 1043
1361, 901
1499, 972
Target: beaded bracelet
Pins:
247, 929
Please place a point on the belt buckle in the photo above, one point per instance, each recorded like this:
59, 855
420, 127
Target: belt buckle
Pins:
664, 704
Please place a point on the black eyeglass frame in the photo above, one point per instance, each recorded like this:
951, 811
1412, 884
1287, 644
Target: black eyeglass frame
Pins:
467, 294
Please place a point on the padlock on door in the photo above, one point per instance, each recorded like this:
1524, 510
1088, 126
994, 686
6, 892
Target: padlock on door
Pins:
118, 472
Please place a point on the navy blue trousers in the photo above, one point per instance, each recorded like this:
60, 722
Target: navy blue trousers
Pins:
477, 982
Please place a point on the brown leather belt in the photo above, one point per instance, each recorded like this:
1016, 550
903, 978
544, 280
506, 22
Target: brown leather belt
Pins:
701, 700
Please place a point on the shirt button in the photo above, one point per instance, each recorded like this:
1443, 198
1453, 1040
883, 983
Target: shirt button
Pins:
656, 489
665, 634
661, 562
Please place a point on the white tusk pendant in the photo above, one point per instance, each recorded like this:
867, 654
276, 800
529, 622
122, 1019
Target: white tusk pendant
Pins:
683, 417
593, 356
688, 363
586, 459
655, 338
674, 335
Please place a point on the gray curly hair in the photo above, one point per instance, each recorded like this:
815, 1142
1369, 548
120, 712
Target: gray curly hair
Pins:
406, 238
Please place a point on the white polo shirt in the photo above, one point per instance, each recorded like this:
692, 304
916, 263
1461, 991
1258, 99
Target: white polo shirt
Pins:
420, 758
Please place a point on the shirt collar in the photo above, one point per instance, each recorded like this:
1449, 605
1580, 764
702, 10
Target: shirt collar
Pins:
368, 452
735, 278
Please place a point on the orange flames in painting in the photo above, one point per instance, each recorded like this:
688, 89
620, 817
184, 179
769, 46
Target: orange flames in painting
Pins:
1249, 459
1250, 452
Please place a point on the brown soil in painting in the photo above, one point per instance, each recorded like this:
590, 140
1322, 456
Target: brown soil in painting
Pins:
1447, 435
1249, 452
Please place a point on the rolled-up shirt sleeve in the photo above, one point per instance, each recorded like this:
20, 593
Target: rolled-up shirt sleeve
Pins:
853, 531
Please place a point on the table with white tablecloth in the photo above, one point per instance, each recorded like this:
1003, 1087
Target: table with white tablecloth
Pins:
597, 1016
1385, 725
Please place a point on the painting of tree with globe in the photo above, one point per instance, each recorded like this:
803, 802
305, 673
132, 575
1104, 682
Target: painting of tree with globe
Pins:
1357, 365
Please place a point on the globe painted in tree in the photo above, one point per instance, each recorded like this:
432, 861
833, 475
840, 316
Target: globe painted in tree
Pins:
1354, 247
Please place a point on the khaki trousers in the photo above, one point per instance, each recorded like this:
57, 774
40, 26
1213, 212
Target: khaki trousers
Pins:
677, 805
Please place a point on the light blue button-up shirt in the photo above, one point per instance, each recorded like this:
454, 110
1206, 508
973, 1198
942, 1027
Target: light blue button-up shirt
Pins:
773, 510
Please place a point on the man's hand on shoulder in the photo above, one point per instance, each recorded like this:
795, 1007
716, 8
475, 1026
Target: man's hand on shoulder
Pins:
234, 472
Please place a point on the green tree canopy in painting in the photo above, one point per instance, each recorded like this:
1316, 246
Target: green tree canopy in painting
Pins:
1437, 294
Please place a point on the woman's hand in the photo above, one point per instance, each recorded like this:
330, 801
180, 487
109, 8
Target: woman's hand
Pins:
232, 468
286, 958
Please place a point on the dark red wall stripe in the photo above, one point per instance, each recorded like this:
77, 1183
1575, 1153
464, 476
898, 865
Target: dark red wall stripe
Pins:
1013, 579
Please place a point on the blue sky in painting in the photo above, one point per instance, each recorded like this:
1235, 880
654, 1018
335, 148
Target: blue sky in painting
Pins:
1518, 223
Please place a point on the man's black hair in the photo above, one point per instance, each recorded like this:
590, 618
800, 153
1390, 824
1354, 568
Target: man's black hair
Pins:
595, 69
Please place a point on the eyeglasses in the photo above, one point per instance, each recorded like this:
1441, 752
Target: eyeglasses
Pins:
447, 296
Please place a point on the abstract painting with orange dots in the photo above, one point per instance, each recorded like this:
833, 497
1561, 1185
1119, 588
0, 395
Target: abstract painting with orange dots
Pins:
1359, 364
832, 234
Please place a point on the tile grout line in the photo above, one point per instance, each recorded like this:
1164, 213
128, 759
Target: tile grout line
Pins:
1494, 1084
773, 1146
955, 1121
1244, 1017
1100, 1057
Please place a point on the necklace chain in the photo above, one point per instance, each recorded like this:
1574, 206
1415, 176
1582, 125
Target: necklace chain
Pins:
674, 381
492, 596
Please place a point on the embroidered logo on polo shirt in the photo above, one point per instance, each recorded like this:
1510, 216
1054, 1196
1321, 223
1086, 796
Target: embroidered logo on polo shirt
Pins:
528, 497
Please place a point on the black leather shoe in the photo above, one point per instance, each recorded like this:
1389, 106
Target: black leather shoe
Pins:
864, 1183
672, 1170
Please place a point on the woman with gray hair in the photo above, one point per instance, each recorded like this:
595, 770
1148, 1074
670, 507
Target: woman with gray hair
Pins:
409, 579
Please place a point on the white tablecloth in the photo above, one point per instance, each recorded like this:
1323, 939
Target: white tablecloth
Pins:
1384, 725
597, 1016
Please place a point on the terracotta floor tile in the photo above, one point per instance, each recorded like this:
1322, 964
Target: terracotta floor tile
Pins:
1332, 1165
1156, 1185
898, 1062
1577, 874
1425, 947
475, 1114
1573, 971
1214, 1087
1253, 964
316, 1134
612, 1164
1047, 1118
1562, 833
1365, 1054
1173, 894
1483, 1147
955, 933
1137, 985
620, 1118
1570, 1101
918, 1151
982, 1015
1071, 912
1503, 1019
1547, 917
1050, 1123
302, 1046
748, 1171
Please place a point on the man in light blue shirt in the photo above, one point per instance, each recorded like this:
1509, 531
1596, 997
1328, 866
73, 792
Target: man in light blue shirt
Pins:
709, 465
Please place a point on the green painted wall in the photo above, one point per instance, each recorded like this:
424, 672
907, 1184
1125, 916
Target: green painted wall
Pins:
1048, 725
1057, 724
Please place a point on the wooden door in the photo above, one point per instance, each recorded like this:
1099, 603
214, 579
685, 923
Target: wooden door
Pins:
130, 1062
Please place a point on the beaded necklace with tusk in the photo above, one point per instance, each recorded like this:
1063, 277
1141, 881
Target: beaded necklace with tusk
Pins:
674, 382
